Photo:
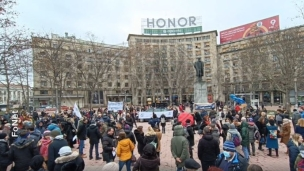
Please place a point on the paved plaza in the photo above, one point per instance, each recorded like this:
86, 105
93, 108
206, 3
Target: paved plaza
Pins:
168, 164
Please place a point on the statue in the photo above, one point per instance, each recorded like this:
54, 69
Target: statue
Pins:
199, 68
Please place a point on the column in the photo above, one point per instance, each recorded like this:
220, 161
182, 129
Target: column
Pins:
261, 97
271, 97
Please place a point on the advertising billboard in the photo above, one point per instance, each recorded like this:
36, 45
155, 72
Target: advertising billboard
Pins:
181, 25
251, 29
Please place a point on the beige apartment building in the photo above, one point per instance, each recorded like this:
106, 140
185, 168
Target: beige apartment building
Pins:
236, 80
69, 70
175, 56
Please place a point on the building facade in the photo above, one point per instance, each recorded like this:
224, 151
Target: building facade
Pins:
162, 66
17, 94
69, 70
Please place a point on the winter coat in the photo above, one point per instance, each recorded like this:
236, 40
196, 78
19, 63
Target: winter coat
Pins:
35, 135
238, 163
190, 138
216, 135
300, 130
93, 134
140, 141
149, 161
52, 127
4, 151
129, 121
107, 147
295, 117
21, 153
208, 148
130, 135
293, 152
70, 162
271, 143
262, 127
44, 146
81, 130
53, 150
285, 133
149, 138
124, 149
159, 137
179, 146
153, 122
252, 128
232, 132
245, 134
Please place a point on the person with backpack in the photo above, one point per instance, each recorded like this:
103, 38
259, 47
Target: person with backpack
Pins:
295, 117
299, 163
245, 138
69, 160
151, 137
254, 134
163, 123
293, 148
230, 159
234, 136
272, 136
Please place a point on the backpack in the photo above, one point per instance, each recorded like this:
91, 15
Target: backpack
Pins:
300, 165
257, 135
153, 143
273, 134
186, 133
236, 140
163, 120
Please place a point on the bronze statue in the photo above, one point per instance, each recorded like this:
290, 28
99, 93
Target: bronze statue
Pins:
199, 68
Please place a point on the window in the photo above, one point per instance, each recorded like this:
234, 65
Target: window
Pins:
118, 84
109, 84
172, 41
43, 92
117, 62
188, 39
197, 45
206, 37
126, 84
69, 92
207, 44
126, 77
118, 77
43, 73
79, 84
180, 40
163, 41
198, 53
68, 57
79, 66
79, 75
189, 46
197, 38
68, 75
89, 50
126, 69
43, 83
68, 83
207, 52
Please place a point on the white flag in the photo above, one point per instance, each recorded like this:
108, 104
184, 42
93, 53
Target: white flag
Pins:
76, 111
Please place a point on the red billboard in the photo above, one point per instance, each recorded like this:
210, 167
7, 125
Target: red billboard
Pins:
251, 29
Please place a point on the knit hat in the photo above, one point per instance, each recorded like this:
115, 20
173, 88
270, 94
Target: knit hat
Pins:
110, 167
243, 119
54, 133
3, 135
192, 164
229, 146
24, 133
47, 133
37, 162
65, 151
232, 126
250, 120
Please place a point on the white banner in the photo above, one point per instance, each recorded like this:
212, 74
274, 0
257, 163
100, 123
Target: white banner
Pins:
148, 115
76, 111
115, 106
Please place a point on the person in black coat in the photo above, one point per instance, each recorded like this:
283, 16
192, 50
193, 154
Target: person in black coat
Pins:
129, 134
190, 137
108, 146
68, 160
293, 149
4, 150
54, 148
93, 134
22, 151
139, 135
37, 163
82, 134
208, 149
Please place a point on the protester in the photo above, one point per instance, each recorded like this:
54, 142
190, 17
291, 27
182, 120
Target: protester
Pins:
94, 136
148, 161
108, 146
4, 150
112, 166
191, 165
68, 160
139, 135
124, 151
37, 163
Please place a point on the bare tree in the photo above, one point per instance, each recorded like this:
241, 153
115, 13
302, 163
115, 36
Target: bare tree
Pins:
280, 59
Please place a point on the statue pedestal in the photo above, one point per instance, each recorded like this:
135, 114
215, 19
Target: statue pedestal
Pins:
200, 92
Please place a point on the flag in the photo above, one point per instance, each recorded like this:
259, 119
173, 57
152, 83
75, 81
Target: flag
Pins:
76, 111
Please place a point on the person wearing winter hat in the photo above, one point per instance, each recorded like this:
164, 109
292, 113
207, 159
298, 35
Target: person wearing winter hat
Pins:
69, 160
230, 158
37, 163
232, 132
57, 142
112, 166
44, 144
191, 165
4, 161
22, 151
148, 161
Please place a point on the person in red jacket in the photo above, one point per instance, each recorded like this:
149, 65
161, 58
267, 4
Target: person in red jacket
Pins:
180, 107
237, 108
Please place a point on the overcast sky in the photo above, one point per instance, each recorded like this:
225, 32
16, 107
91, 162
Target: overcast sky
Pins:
112, 20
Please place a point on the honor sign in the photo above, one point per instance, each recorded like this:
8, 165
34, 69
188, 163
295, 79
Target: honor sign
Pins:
180, 25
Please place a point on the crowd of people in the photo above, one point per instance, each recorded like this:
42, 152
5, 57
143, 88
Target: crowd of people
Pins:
47, 142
